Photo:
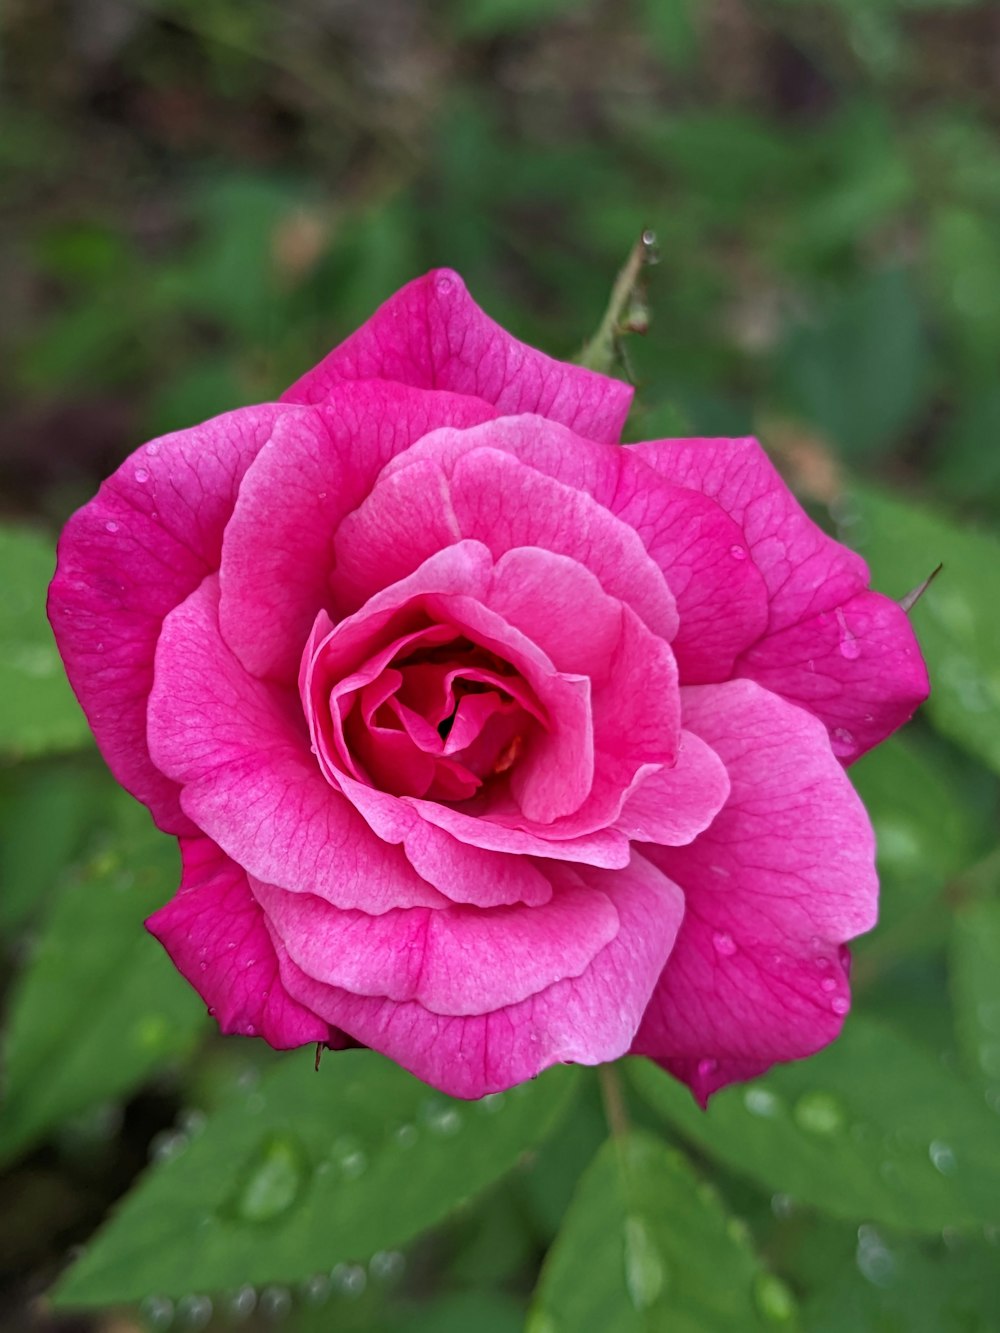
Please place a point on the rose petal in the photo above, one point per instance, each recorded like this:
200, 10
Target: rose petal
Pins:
586, 1019
858, 668
432, 335
213, 929
780, 879
240, 749
126, 559
278, 549
458, 960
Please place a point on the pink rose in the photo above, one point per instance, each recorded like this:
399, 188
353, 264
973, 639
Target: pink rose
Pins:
489, 743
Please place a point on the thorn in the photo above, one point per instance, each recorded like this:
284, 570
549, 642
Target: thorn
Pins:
912, 598
319, 1054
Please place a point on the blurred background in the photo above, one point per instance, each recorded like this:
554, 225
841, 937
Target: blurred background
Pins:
200, 197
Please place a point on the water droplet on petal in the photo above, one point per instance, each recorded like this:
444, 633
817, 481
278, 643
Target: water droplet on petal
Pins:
818, 1113
645, 1272
942, 1157
153, 449
707, 1067
842, 742
273, 1181
828, 984
774, 1300
444, 284
724, 943
141, 475
738, 552
840, 1004
111, 525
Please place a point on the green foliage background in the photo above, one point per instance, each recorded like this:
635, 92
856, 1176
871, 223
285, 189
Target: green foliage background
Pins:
199, 198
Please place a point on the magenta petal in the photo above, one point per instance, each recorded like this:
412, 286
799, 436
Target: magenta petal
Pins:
673, 805
586, 1019
126, 559
464, 485
432, 335
858, 668
239, 747
214, 931
782, 877
806, 571
457, 960
278, 550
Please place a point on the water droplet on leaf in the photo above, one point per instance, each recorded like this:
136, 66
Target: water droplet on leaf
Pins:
942, 1157
760, 1101
645, 1272
774, 1300
818, 1113
273, 1181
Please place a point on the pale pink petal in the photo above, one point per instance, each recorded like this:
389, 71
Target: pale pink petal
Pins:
586, 1019
721, 598
458, 961
782, 877
239, 747
858, 668
126, 559
278, 549
485, 494
213, 929
432, 335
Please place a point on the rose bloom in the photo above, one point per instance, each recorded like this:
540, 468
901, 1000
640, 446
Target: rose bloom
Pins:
489, 743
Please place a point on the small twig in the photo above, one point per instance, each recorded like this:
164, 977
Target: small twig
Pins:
626, 312
614, 1100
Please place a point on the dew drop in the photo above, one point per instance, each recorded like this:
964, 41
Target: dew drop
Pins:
167, 1145
818, 1113
492, 1102
316, 1289
111, 526
828, 984
444, 284
350, 1157
645, 1273
158, 1311
405, 1136
387, 1265
192, 1121
540, 1322
942, 1157
350, 1279
782, 1205
840, 1004
707, 1067
759, 1101
273, 1181
774, 1300
849, 646
242, 1303
441, 1119
194, 1312
275, 1303
842, 742
874, 1259
738, 552
153, 449
141, 475
724, 943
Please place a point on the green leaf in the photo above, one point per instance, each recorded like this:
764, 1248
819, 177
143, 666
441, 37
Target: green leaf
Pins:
975, 984
39, 712
99, 1006
645, 1246
308, 1171
872, 1128
924, 832
488, 18
872, 340
956, 620
895, 1284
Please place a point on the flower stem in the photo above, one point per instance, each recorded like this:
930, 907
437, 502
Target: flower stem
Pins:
626, 312
614, 1100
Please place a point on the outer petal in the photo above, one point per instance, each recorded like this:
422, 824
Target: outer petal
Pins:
214, 931
858, 668
846, 654
456, 960
278, 549
239, 747
432, 335
585, 1019
779, 880
126, 559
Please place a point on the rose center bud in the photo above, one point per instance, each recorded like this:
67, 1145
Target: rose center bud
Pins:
430, 714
